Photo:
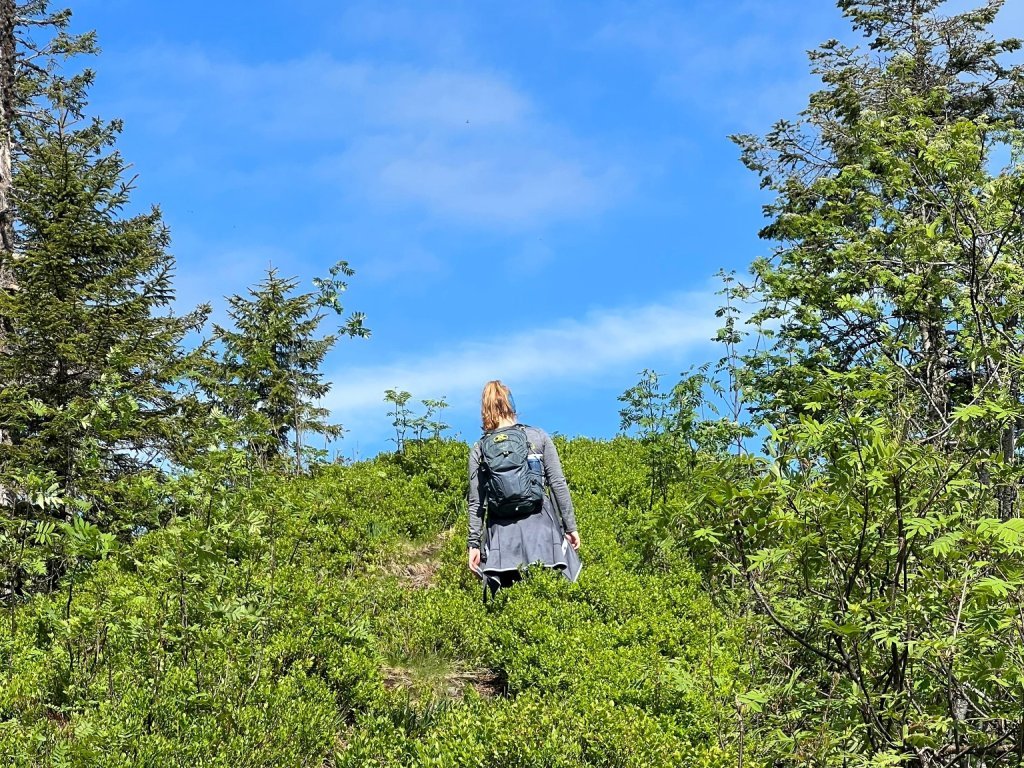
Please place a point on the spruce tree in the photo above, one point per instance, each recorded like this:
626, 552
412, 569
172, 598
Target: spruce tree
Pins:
93, 365
268, 376
23, 72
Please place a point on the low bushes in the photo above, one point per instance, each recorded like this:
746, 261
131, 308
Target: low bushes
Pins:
279, 629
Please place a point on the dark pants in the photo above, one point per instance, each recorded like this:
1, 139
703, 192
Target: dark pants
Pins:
494, 582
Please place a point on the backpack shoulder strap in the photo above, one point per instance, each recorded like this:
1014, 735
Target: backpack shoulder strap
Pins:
537, 446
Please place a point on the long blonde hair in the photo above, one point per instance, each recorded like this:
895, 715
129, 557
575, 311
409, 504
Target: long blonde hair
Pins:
495, 405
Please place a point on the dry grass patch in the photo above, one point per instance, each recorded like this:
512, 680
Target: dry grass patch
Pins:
416, 565
438, 679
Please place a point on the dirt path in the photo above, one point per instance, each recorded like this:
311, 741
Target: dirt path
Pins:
416, 567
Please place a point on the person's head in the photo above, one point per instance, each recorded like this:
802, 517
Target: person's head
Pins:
496, 405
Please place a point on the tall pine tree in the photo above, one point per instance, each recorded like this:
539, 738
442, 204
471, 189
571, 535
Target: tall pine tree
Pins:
20, 80
93, 365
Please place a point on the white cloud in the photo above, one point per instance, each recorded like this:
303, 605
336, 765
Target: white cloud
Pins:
457, 143
572, 349
321, 96
448, 99
476, 180
741, 64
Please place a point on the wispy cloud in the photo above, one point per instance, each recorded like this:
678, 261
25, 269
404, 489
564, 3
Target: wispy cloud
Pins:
520, 182
735, 63
567, 350
453, 142
441, 31
743, 63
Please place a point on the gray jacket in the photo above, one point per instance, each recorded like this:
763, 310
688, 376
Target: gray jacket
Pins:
553, 477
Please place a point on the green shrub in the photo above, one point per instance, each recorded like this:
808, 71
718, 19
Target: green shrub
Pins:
277, 625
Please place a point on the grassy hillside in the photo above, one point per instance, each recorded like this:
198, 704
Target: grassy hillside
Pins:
330, 621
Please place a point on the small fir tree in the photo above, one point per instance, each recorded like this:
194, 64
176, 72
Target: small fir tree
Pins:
268, 375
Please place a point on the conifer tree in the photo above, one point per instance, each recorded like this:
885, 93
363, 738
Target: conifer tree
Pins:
21, 78
93, 365
268, 376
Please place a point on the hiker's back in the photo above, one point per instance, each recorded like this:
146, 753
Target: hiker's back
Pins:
513, 478
518, 506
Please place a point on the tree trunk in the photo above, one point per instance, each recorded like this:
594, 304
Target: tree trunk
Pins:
1008, 444
8, 107
8, 52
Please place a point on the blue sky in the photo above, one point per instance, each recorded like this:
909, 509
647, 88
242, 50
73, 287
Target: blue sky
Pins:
538, 192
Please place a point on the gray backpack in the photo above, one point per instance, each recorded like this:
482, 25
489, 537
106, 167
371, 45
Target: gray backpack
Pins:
511, 487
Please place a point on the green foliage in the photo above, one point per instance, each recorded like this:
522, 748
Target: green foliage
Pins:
885, 581
428, 425
849, 596
267, 377
431, 422
898, 235
401, 415
95, 402
281, 627
876, 540
672, 428
93, 374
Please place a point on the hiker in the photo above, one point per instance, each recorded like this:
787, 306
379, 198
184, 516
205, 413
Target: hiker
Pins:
516, 480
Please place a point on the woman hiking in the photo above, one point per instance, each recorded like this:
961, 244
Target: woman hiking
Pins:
511, 470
